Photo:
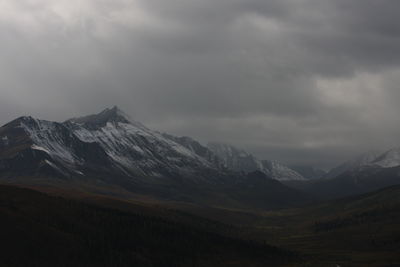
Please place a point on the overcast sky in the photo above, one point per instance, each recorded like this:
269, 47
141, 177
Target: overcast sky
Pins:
299, 81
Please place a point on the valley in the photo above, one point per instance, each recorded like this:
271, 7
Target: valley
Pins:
104, 190
356, 231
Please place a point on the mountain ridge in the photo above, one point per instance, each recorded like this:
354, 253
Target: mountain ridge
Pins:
240, 160
110, 148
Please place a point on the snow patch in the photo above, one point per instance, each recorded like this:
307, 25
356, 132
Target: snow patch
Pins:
51, 164
35, 147
240, 160
389, 159
46, 136
136, 147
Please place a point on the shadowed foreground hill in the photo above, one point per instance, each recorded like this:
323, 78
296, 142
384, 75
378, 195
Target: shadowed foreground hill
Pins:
41, 230
361, 230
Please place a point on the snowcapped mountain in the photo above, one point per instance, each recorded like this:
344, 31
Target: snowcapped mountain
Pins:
109, 139
110, 149
42, 146
372, 159
281, 172
112, 143
360, 161
239, 160
134, 147
368, 172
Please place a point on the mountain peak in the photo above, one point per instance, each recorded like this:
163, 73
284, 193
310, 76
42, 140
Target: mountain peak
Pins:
114, 114
115, 109
21, 120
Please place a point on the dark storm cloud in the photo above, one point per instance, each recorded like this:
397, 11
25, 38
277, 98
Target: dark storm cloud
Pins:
309, 81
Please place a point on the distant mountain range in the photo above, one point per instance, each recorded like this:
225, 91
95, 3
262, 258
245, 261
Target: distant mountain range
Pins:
109, 148
371, 159
239, 160
358, 162
117, 193
111, 142
367, 172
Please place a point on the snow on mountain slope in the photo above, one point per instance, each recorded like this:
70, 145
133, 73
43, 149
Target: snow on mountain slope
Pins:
109, 149
197, 148
362, 160
235, 159
31, 141
388, 159
108, 142
281, 172
133, 146
50, 137
239, 160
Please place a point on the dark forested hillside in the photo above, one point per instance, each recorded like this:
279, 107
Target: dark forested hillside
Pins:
41, 230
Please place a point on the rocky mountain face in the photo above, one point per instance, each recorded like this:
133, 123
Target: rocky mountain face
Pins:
104, 143
240, 160
281, 172
137, 150
110, 142
112, 148
30, 146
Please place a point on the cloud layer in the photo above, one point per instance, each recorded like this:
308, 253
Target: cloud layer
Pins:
300, 81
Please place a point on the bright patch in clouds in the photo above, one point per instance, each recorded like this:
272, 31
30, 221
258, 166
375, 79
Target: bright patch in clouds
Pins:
97, 17
360, 90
